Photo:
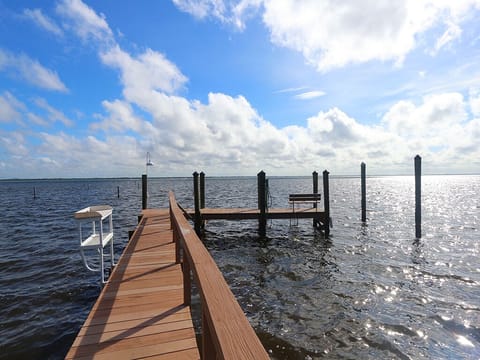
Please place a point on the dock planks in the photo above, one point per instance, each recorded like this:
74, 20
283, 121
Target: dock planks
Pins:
140, 311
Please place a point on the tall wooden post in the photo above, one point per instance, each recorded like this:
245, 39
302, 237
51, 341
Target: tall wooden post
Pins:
364, 191
202, 190
262, 203
196, 199
326, 203
34, 193
144, 191
418, 197
315, 191
118, 192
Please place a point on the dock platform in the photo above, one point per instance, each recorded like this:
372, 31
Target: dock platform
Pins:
254, 214
141, 311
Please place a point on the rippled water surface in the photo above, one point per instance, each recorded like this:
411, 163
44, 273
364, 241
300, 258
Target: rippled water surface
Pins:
370, 291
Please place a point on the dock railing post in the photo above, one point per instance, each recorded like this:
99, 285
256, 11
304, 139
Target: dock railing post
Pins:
144, 191
196, 199
262, 203
326, 203
418, 197
364, 191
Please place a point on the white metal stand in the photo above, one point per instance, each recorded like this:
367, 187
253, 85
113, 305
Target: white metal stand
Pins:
99, 236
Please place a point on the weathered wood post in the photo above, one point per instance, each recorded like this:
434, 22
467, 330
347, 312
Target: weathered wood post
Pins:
144, 191
118, 192
34, 193
196, 199
418, 197
262, 203
202, 190
326, 203
364, 191
315, 191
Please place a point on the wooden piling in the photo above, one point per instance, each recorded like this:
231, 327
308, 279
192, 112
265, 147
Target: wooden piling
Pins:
196, 199
34, 193
326, 203
315, 191
118, 192
144, 191
418, 196
202, 190
364, 191
262, 203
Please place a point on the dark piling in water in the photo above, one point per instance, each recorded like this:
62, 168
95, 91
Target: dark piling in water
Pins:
418, 197
262, 203
202, 190
326, 203
315, 191
144, 191
196, 199
364, 191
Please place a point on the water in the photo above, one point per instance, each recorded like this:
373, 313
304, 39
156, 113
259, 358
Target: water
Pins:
370, 291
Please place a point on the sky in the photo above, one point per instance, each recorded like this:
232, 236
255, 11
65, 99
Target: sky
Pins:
232, 87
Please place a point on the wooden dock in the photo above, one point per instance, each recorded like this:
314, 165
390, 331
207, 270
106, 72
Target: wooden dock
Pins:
144, 309
254, 214
140, 311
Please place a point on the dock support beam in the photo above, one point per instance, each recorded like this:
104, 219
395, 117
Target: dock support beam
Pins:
262, 203
144, 191
326, 203
364, 191
196, 199
418, 197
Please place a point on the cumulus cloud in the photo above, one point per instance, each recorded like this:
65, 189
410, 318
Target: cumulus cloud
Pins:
84, 21
332, 34
148, 71
43, 21
31, 71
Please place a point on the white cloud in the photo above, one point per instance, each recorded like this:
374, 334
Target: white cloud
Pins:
332, 34
10, 108
431, 120
42, 20
31, 71
84, 21
149, 71
231, 12
474, 101
52, 113
310, 95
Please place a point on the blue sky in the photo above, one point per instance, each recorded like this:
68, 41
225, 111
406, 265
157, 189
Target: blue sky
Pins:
231, 87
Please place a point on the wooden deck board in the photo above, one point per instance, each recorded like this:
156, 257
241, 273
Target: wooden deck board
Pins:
140, 311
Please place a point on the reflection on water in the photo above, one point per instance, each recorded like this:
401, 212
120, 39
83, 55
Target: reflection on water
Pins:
370, 291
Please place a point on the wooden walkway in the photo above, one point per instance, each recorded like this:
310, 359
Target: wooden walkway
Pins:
140, 312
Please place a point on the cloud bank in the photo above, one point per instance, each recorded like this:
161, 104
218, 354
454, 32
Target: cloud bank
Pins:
226, 135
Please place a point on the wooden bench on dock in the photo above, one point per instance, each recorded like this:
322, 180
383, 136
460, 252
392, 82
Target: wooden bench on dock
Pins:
304, 198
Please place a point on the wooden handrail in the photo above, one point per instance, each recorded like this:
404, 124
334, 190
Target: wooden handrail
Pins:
226, 332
